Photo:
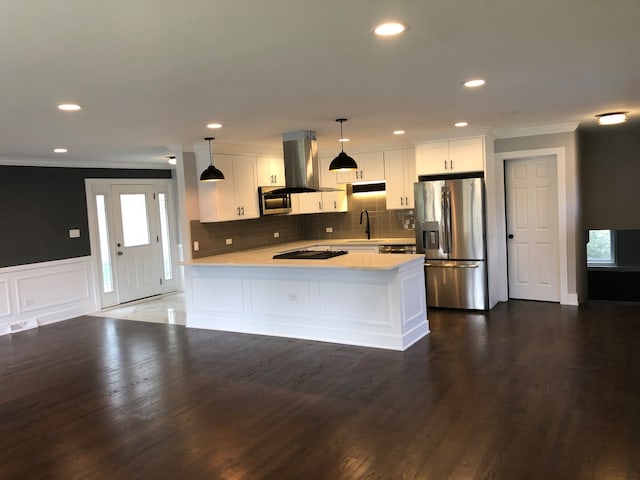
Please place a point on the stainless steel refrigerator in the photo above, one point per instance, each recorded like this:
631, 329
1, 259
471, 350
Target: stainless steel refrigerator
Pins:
450, 231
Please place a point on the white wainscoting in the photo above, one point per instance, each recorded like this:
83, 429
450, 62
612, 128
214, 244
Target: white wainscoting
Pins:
47, 292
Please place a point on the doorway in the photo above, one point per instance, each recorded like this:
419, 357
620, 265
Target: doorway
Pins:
132, 233
531, 191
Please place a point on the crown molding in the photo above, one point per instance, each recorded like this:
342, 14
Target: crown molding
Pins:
71, 163
531, 131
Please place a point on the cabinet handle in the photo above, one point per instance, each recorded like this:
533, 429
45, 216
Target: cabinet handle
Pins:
335, 205
361, 174
319, 206
406, 201
401, 201
445, 164
450, 164
238, 209
242, 208
275, 179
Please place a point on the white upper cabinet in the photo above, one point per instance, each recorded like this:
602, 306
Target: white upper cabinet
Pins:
450, 156
235, 197
370, 169
400, 175
335, 201
319, 202
328, 179
270, 171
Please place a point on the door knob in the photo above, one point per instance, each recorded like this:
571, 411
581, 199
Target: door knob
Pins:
119, 253
510, 235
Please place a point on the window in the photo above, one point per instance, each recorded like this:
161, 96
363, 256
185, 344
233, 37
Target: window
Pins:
600, 249
103, 234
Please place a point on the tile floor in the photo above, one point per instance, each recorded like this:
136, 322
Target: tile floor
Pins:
168, 309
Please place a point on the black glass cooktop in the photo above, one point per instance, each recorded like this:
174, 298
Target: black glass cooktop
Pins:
309, 254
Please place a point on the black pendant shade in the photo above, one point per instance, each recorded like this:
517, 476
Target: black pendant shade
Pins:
211, 173
342, 161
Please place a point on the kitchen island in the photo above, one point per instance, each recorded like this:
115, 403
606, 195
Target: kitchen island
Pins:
365, 299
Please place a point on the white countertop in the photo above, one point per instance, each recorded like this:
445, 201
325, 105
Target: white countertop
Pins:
263, 257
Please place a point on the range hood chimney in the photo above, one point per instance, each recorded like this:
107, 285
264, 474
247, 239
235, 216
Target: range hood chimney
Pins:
301, 169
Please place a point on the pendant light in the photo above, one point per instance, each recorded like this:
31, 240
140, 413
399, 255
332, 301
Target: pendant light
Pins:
211, 173
342, 161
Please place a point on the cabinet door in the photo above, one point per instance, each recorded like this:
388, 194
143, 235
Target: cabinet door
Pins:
467, 154
335, 201
308, 202
400, 175
224, 202
432, 158
270, 171
328, 179
370, 169
246, 189
410, 177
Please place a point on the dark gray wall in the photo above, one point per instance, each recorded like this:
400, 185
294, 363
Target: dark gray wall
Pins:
39, 205
610, 165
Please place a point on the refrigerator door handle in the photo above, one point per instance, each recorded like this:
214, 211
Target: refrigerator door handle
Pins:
446, 220
444, 265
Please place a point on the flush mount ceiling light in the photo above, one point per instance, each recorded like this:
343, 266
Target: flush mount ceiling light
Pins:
612, 118
69, 107
473, 83
389, 29
211, 173
60, 150
214, 125
398, 132
171, 159
460, 124
342, 161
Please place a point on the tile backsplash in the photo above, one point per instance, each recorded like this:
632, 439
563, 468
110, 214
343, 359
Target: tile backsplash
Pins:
259, 232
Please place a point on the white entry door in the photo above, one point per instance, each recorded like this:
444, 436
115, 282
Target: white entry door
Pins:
133, 236
137, 242
532, 228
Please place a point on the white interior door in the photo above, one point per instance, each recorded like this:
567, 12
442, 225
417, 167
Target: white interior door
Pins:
532, 228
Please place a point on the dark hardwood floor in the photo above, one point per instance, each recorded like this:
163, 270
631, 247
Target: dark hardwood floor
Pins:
527, 391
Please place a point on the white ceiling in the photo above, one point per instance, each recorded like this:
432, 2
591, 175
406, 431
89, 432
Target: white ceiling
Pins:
153, 73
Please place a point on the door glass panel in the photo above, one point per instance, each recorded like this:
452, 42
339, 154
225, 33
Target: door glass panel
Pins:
105, 255
164, 233
135, 223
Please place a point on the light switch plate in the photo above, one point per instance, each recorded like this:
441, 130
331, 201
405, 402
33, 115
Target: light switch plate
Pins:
329, 229
196, 246
74, 233
229, 241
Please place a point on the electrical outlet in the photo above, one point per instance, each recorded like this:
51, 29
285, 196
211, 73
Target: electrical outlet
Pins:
328, 229
229, 241
74, 233
196, 246
276, 234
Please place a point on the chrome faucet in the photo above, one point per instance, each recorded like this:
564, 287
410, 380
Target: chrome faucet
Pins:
367, 229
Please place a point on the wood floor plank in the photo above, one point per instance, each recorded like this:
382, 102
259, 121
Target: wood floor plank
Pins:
527, 391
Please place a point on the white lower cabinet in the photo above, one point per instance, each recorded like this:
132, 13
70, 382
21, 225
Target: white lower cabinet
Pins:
400, 175
235, 197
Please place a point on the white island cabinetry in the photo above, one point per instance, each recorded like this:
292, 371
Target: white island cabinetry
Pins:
357, 299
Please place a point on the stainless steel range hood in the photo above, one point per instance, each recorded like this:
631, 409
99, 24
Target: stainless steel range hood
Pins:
301, 169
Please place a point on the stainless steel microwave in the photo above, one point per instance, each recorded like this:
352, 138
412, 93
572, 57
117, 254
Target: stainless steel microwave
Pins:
273, 202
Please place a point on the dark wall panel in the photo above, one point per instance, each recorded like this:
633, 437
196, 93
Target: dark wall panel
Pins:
39, 205
610, 169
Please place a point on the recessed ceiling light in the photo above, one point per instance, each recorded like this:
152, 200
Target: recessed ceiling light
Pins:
612, 118
398, 132
214, 125
60, 150
389, 29
476, 82
171, 159
460, 124
69, 107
